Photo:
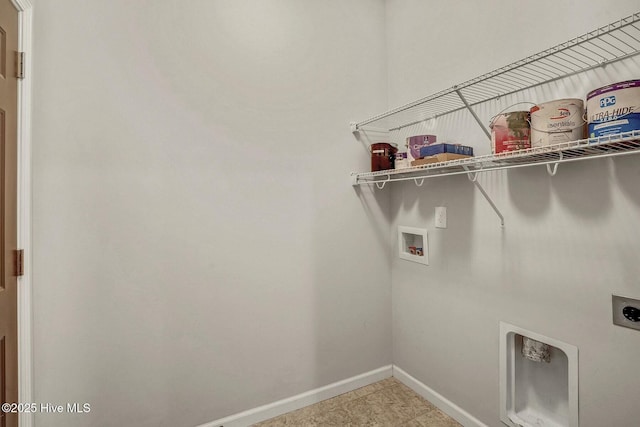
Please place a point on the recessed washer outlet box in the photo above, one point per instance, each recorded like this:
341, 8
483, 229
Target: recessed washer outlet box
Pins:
413, 244
537, 393
626, 311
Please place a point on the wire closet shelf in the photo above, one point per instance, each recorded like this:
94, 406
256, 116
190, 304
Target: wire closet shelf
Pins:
551, 155
608, 44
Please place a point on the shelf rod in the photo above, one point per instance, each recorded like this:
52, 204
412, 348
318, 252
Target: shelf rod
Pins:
511, 92
576, 55
361, 126
577, 41
486, 196
629, 35
623, 42
473, 113
356, 128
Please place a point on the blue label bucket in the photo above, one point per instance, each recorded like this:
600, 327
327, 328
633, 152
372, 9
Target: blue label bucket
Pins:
614, 109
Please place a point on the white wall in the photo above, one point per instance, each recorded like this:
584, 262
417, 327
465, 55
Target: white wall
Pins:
198, 247
569, 242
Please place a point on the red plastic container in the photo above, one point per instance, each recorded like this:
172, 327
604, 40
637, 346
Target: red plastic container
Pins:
383, 156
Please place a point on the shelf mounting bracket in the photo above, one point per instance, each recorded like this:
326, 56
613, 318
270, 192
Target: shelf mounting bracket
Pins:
473, 177
381, 184
473, 113
552, 170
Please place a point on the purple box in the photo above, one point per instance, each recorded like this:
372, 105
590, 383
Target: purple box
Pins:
415, 143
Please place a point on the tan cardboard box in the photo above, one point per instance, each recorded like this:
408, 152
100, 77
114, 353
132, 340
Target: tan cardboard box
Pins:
443, 157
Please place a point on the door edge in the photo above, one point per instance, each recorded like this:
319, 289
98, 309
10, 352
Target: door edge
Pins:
25, 311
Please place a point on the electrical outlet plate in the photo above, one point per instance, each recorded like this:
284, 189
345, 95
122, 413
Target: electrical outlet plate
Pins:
441, 217
619, 303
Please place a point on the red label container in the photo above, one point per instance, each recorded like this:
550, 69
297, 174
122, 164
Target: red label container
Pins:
510, 132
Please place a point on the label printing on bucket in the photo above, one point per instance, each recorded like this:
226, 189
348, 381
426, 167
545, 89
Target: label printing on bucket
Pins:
614, 109
510, 132
557, 121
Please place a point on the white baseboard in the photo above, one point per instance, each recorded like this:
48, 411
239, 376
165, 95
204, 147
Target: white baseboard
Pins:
441, 402
265, 412
283, 406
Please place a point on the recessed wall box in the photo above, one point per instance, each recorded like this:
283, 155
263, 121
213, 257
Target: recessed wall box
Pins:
537, 393
413, 244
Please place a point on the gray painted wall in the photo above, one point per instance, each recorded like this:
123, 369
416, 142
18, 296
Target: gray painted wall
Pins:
569, 242
198, 247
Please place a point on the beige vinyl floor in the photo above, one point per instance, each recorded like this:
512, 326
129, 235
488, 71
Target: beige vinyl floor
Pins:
385, 403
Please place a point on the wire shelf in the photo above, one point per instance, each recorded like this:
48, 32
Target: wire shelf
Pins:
605, 146
611, 43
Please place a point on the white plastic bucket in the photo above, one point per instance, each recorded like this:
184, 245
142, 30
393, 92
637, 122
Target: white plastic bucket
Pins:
614, 109
558, 121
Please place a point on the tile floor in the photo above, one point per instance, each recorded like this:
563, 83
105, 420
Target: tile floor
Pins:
385, 403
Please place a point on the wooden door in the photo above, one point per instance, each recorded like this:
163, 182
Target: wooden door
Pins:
8, 210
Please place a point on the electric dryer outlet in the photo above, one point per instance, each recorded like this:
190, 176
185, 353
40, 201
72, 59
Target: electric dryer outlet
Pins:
626, 312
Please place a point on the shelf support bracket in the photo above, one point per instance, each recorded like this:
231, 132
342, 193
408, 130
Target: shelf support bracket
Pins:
473, 113
381, 184
473, 176
484, 193
552, 170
